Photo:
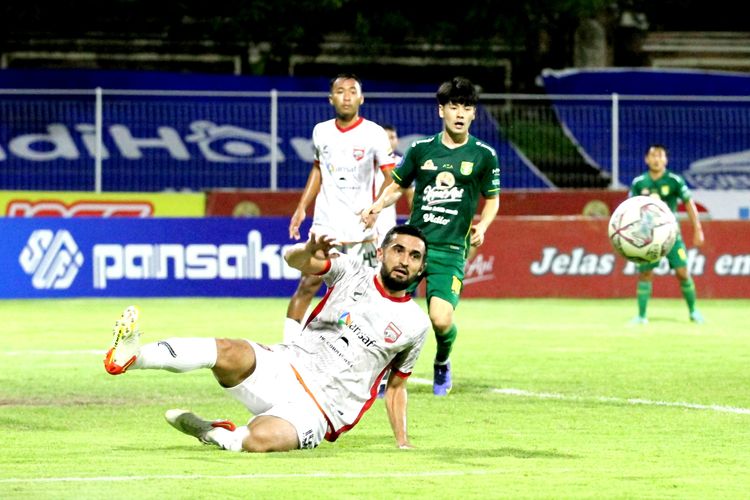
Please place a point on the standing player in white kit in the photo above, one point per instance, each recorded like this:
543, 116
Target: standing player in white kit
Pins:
348, 150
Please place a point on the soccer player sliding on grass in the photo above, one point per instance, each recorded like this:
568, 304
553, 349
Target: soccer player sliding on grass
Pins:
319, 386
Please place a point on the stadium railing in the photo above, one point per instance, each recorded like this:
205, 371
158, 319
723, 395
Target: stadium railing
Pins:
134, 140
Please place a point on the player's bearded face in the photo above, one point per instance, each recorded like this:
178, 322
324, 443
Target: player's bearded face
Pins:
401, 266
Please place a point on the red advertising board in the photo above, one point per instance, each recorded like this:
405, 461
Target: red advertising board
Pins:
572, 257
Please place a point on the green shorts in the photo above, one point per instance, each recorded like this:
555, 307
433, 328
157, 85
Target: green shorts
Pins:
445, 275
677, 257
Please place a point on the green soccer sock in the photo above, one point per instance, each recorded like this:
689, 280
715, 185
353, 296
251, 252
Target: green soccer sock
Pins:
688, 291
644, 293
445, 344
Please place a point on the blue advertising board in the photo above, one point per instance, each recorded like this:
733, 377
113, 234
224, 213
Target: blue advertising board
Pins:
129, 257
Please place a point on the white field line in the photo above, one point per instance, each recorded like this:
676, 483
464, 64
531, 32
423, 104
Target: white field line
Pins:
631, 401
506, 391
309, 475
50, 352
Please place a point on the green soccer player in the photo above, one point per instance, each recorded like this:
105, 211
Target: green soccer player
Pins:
450, 171
669, 187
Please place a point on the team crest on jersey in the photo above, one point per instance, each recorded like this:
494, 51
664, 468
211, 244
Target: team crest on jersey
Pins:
466, 167
428, 165
391, 333
359, 153
665, 190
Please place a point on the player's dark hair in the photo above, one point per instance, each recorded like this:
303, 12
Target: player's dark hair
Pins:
458, 90
658, 146
389, 126
404, 229
344, 76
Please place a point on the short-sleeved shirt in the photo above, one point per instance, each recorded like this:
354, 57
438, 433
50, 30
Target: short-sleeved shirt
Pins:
447, 186
348, 159
670, 188
353, 336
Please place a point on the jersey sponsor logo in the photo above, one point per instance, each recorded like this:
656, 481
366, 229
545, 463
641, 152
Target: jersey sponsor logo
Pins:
445, 180
345, 319
466, 167
359, 153
428, 165
52, 259
665, 190
391, 333
54, 208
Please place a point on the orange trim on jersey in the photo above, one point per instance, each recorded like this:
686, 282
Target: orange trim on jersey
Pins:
353, 125
309, 393
389, 165
385, 294
325, 269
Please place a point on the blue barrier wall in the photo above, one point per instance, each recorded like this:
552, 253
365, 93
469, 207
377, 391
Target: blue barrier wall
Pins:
702, 117
92, 257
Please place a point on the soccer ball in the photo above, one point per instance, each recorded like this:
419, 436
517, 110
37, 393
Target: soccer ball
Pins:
643, 229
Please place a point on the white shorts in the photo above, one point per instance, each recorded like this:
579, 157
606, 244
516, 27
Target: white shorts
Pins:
273, 389
363, 251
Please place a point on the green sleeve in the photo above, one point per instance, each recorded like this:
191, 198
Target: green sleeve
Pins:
404, 174
491, 177
683, 189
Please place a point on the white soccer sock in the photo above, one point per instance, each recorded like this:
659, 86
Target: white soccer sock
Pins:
292, 330
229, 440
177, 354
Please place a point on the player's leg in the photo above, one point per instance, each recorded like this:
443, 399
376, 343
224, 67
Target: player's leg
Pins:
444, 285
441, 316
295, 313
678, 261
174, 354
644, 290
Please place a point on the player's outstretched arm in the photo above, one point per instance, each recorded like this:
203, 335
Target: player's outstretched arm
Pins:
388, 196
312, 256
395, 404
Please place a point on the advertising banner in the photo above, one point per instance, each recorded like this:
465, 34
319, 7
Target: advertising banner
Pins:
87, 204
572, 257
129, 257
521, 257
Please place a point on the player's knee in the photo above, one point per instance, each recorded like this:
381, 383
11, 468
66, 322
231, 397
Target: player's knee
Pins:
441, 323
265, 438
235, 361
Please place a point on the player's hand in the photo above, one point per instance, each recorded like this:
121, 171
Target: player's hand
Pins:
320, 246
698, 238
477, 235
368, 216
297, 218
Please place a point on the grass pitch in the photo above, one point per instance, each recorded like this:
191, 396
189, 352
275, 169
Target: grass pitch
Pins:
552, 399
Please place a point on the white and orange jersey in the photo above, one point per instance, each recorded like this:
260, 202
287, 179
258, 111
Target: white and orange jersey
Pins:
348, 159
356, 333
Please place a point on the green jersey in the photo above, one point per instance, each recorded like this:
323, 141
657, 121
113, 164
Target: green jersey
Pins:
669, 187
447, 185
